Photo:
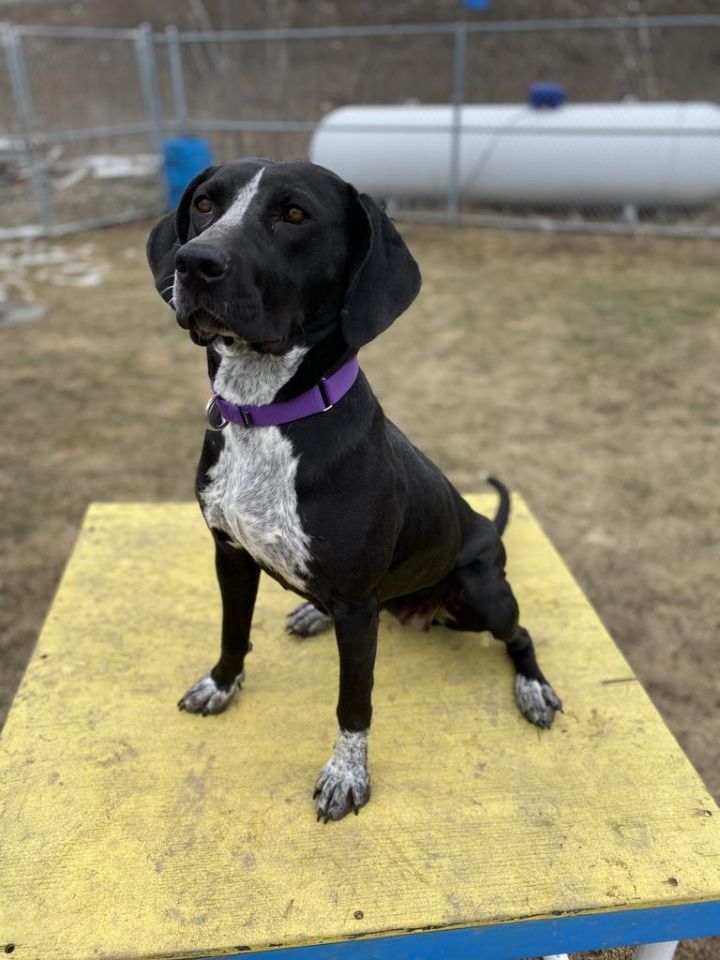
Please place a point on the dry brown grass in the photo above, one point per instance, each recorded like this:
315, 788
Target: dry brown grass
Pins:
581, 370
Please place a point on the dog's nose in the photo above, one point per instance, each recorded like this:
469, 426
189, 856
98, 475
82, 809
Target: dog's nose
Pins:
200, 261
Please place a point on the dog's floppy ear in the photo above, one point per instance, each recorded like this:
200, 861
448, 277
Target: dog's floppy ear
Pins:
168, 235
161, 248
385, 280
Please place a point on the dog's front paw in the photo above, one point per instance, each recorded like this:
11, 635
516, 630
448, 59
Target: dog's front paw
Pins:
344, 781
337, 793
537, 701
306, 620
206, 696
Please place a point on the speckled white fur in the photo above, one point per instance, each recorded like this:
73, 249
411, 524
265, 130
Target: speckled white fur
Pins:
306, 620
206, 696
538, 701
251, 492
344, 781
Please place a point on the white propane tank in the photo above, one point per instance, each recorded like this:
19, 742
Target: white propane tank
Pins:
596, 153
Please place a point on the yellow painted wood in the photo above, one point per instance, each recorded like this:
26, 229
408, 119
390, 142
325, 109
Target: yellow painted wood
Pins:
128, 829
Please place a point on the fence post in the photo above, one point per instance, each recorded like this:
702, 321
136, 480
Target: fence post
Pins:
177, 79
458, 95
22, 99
147, 69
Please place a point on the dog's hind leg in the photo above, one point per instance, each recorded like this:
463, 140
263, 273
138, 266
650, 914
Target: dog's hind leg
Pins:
306, 620
486, 602
344, 781
238, 577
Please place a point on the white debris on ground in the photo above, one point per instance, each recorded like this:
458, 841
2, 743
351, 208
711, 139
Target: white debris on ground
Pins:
24, 263
12, 313
106, 166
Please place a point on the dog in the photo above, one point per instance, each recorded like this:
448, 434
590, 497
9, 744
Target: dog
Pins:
283, 271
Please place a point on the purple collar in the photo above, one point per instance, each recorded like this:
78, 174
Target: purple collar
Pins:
317, 399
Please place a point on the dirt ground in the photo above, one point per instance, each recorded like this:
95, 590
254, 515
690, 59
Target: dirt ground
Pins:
583, 371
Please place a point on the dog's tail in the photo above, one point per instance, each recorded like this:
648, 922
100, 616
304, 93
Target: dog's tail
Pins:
503, 510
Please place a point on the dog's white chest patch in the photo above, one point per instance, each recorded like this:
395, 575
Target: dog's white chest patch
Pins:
251, 493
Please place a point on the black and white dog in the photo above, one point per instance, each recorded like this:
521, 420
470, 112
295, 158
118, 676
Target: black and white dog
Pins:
283, 271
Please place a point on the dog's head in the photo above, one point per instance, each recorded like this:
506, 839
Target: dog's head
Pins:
277, 254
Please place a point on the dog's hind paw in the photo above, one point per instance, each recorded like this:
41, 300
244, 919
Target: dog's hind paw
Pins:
537, 701
344, 781
206, 696
306, 620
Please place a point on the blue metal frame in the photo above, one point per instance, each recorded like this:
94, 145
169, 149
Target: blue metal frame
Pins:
515, 941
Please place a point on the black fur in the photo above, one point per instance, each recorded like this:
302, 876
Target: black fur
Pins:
387, 528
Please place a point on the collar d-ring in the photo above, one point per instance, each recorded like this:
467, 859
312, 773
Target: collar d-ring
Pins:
211, 406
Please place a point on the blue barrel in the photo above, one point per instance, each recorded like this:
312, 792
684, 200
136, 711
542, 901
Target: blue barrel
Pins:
550, 95
184, 157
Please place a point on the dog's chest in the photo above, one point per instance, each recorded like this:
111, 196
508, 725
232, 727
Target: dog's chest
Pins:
250, 494
251, 497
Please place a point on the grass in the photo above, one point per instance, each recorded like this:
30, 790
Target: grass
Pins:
581, 370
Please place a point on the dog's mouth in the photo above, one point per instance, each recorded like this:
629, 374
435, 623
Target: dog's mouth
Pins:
205, 327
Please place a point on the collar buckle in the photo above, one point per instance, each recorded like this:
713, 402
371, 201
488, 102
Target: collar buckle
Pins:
322, 387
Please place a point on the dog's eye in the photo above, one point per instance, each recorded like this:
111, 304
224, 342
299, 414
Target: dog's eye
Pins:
295, 215
203, 205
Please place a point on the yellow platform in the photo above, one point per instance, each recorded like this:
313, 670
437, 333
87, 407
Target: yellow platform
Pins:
129, 829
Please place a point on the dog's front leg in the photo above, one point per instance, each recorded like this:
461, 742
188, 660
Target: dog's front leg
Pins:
344, 782
238, 576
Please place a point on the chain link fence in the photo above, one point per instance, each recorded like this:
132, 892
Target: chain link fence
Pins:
85, 111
